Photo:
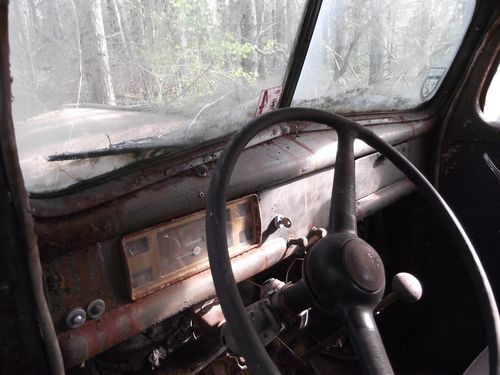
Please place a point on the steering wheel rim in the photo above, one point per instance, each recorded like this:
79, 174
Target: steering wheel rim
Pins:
232, 306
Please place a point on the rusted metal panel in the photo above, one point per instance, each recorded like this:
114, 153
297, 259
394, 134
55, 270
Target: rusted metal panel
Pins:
396, 128
83, 248
261, 166
79, 277
92, 193
374, 202
125, 319
121, 323
311, 197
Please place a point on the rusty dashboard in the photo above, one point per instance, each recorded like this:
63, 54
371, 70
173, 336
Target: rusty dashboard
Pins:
136, 243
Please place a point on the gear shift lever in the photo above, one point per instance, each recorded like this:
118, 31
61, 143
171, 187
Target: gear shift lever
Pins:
405, 287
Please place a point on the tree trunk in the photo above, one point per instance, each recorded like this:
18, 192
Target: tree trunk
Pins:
248, 27
279, 22
279, 30
377, 52
339, 39
53, 19
264, 15
116, 21
95, 52
289, 24
23, 13
148, 24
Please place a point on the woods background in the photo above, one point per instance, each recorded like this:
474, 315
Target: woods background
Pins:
180, 54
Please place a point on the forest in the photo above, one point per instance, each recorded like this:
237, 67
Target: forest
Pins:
178, 56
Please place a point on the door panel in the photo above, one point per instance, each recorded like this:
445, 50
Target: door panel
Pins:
469, 165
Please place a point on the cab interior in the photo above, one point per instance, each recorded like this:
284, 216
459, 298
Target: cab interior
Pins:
105, 252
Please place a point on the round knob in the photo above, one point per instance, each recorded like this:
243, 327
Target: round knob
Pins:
96, 308
406, 287
76, 318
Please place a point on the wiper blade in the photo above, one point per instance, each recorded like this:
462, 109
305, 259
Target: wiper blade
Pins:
138, 146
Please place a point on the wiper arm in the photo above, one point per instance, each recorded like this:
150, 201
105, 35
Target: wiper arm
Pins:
137, 146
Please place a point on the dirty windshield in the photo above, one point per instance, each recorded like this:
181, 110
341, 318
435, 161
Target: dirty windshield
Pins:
98, 85
376, 55
96, 75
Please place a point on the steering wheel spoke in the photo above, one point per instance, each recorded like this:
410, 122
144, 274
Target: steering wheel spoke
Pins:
365, 338
343, 204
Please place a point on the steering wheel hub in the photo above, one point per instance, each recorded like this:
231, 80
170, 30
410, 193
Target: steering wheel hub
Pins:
342, 269
363, 264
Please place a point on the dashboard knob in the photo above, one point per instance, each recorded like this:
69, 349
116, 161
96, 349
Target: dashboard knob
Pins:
76, 318
96, 308
406, 287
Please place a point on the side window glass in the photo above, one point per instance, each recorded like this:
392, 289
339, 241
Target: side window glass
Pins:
491, 111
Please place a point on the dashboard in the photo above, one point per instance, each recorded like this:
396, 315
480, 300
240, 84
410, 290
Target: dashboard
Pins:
137, 243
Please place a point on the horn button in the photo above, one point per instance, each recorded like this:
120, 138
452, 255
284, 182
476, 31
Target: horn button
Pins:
363, 265
343, 270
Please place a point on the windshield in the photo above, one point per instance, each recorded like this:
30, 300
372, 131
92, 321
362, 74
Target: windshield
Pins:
98, 85
185, 71
375, 55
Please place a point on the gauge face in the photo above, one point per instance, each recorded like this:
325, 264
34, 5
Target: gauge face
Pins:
137, 247
173, 251
181, 246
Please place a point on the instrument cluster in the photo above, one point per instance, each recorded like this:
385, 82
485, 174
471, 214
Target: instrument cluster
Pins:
170, 252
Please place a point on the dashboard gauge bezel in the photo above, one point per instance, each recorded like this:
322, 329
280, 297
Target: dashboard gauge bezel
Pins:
145, 270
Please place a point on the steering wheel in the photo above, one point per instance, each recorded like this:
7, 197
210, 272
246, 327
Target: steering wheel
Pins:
343, 274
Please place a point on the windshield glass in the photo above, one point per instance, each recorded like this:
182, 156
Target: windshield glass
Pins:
374, 55
99, 75
98, 85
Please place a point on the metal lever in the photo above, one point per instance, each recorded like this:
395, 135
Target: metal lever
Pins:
314, 235
301, 242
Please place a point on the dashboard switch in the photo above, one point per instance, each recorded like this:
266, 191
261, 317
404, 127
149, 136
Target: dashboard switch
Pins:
281, 221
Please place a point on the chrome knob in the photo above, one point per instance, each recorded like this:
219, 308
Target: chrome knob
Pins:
76, 318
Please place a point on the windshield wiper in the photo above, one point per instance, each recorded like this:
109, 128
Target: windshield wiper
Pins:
138, 146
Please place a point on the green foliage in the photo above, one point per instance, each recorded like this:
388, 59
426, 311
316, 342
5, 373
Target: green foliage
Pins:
188, 52
162, 53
